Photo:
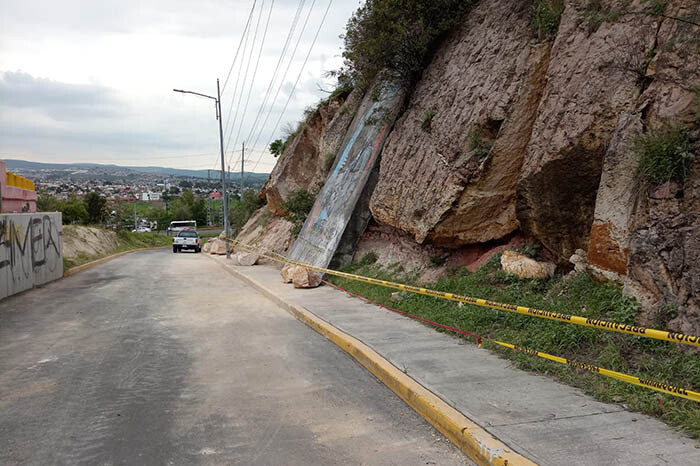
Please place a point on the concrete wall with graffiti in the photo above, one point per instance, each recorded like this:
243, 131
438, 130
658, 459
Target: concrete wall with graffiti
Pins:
31, 251
324, 227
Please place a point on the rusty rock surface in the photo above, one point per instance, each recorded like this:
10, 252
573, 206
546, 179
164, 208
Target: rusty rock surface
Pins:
589, 85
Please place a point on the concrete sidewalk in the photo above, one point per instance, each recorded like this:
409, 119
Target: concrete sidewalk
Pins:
545, 421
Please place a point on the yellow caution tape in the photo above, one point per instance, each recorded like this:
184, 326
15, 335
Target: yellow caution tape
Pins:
659, 387
675, 337
646, 383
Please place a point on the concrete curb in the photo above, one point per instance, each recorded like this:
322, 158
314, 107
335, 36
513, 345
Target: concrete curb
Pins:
482, 447
80, 268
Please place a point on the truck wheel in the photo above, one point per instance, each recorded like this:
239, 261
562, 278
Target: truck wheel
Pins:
174, 249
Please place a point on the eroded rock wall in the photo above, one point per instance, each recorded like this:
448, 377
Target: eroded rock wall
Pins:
309, 156
450, 178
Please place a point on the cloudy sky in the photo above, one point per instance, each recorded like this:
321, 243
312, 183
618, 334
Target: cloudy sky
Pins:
91, 81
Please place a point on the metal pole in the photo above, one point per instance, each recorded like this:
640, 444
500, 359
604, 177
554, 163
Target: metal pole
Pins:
242, 169
227, 227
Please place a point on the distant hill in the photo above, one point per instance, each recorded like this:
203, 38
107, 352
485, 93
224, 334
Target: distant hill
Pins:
24, 164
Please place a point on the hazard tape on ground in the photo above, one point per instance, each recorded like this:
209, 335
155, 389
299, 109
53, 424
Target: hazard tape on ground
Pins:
630, 379
675, 337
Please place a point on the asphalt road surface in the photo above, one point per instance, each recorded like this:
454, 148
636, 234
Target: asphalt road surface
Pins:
157, 358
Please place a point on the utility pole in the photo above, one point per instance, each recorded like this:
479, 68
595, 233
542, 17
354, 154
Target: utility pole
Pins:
217, 100
242, 168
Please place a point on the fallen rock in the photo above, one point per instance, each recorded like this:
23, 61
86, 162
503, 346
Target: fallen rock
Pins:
524, 267
287, 272
245, 258
218, 246
207, 246
578, 259
305, 278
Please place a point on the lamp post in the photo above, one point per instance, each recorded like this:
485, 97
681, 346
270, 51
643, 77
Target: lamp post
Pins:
217, 99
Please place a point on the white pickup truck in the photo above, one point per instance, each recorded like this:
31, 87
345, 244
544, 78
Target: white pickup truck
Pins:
186, 239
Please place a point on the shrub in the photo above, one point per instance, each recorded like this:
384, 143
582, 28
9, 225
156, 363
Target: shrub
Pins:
396, 36
546, 15
665, 154
299, 203
479, 145
368, 259
428, 119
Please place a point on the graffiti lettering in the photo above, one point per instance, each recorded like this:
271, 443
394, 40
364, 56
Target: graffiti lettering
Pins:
30, 251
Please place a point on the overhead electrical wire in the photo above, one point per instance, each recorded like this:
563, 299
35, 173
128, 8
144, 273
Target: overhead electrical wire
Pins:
238, 49
313, 43
255, 72
286, 71
245, 76
275, 73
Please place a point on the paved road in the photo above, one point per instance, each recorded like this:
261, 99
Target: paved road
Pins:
159, 358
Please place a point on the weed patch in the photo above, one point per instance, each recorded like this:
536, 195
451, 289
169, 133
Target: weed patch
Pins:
665, 154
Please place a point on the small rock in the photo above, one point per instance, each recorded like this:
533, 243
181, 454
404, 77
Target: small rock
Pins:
524, 267
305, 278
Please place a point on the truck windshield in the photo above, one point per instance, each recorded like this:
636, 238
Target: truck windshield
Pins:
187, 234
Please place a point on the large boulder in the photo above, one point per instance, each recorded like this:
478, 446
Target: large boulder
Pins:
305, 278
524, 267
244, 258
287, 273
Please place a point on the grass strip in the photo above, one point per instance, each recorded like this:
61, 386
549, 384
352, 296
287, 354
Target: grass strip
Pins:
127, 241
650, 359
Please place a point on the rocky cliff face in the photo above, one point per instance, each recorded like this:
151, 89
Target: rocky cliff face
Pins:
309, 156
451, 178
505, 133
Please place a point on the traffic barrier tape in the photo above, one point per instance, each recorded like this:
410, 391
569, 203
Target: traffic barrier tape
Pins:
675, 337
646, 383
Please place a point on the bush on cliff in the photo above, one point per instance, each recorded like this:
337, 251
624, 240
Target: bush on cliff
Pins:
298, 204
665, 154
396, 36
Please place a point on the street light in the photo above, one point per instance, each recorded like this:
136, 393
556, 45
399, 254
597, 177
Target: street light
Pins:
217, 99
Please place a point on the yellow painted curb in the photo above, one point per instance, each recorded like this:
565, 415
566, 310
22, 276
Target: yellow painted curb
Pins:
80, 268
472, 439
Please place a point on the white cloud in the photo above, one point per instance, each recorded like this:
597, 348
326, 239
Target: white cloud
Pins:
92, 81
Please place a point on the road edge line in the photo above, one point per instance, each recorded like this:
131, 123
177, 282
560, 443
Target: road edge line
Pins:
102, 260
477, 443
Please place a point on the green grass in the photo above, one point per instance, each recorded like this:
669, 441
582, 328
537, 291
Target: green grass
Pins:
655, 360
127, 242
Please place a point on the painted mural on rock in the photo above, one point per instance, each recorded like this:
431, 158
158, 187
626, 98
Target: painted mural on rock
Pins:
30, 251
359, 152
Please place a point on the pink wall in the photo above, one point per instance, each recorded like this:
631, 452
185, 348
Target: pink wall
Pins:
15, 199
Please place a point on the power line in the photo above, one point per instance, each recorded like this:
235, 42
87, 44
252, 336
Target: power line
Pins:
255, 72
313, 43
268, 92
286, 71
245, 75
235, 57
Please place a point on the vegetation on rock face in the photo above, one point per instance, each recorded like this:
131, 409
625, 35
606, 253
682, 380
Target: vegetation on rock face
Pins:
665, 154
277, 147
396, 36
651, 359
428, 119
241, 210
546, 15
299, 203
